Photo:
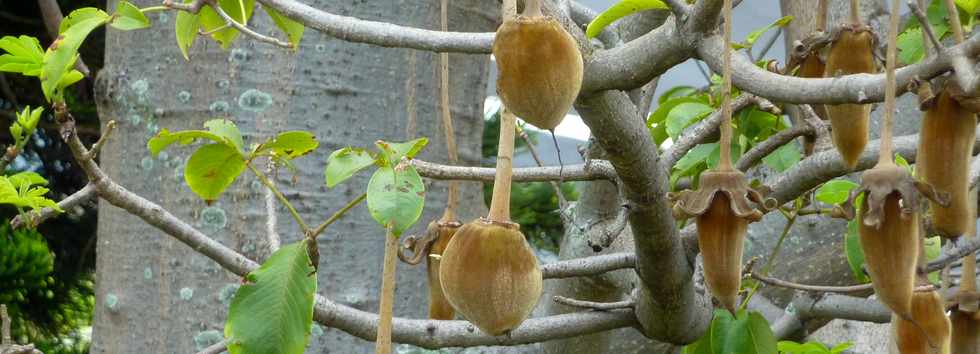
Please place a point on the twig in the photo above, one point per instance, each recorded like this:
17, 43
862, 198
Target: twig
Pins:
336, 216
823, 288
594, 170
193, 7
598, 306
51, 14
763, 149
79, 197
215, 348
248, 31
202, 32
926, 26
270, 213
94, 151
282, 198
704, 72
562, 203
588, 266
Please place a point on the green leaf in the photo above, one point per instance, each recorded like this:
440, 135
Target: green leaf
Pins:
185, 28
685, 114
290, 145
395, 197
272, 312
61, 55
910, 46
713, 341
344, 163
392, 153
750, 334
933, 246
852, 248
675, 92
841, 347
835, 192
211, 21
695, 156
24, 55
783, 158
212, 168
128, 17
25, 124
292, 29
221, 131
80, 15
901, 161
754, 35
968, 6
619, 10
757, 125
660, 114
69, 79
23, 190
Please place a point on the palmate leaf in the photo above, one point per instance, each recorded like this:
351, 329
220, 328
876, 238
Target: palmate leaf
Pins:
272, 312
24, 55
25, 190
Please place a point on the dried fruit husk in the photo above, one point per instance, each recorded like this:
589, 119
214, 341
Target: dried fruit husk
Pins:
490, 275
539, 69
851, 53
945, 148
930, 332
723, 207
889, 231
965, 338
439, 307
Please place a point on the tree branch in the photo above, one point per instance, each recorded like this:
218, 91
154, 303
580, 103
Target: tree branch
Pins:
763, 149
599, 306
247, 31
857, 88
593, 170
667, 306
79, 197
588, 266
382, 33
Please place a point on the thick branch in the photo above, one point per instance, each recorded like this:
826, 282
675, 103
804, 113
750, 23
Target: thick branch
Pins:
860, 88
382, 33
588, 266
667, 306
593, 170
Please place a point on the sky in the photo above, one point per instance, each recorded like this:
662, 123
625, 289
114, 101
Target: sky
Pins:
749, 15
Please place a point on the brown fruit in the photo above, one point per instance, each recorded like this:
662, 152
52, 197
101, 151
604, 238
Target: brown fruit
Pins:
890, 252
539, 69
965, 338
490, 275
439, 307
944, 158
930, 332
814, 67
721, 235
852, 53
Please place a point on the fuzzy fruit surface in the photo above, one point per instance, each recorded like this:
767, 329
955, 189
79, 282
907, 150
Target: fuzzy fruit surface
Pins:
490, 275
890, 253
931, 336
539, 69
852, 53
720, 236
965, 338
948, 131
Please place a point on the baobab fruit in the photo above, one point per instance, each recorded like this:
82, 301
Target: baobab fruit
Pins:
965, 338
814, 67
723, 208
439, 307
490, 275
539, 69
948, 132
852, 53
928, 332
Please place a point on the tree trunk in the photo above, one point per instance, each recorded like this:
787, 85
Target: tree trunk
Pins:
156, 295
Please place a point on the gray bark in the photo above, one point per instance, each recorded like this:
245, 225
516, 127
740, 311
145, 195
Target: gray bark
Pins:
155, 295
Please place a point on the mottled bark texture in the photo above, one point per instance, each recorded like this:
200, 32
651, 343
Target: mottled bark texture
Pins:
155, 295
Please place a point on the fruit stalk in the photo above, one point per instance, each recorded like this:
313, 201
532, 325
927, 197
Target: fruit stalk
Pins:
447, 120
725, 159
500, 200
383, 340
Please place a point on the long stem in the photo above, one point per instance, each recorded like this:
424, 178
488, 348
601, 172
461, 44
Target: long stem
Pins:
500, 201
725, 161
968, 280
282, 198
856, 12
508, 10
954, 21
447, 121
336, 216
821, 16
532, 8
383, 341
885, 154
